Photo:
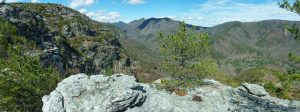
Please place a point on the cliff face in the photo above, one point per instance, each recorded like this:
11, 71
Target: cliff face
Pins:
67, 39
120, 92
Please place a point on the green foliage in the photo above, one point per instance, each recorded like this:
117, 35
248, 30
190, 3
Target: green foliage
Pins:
169, 85
148, 60
276, 82
205, 68
8, 35
241, 49
23, 82
294, 30
78, 41
179, 50
295, 7
271, 88
184, 45
252, 75
23, 79
241, 64
294, 58
217, 55
7, 32
107, 36
109, 71
295, 77
265, 42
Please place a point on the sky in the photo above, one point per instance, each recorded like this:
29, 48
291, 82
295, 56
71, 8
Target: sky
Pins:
198, 12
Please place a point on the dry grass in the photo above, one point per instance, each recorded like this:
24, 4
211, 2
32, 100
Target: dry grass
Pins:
180, 92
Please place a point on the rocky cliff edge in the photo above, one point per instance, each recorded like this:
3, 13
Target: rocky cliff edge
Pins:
119, 92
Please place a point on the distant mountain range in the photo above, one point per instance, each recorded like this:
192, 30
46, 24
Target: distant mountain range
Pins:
235, 45
145, 30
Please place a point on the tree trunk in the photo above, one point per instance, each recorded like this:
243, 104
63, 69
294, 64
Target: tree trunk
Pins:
182, 65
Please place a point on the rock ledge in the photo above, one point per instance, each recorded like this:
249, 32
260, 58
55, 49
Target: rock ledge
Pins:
99, 93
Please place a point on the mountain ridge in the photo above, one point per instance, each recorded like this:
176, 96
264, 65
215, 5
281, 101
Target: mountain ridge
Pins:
267, 38
43, 43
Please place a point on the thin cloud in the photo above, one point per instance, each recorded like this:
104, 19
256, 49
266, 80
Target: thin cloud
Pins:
35, 1
215, 12
81, 3
135, 2
103, 16
82, 10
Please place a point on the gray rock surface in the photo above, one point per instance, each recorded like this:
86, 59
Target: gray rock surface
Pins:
94, 94
77, 29
253, 89
76, 46
99, 93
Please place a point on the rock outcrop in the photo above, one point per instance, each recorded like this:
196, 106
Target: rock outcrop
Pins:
94, 94
120, 92
66, 39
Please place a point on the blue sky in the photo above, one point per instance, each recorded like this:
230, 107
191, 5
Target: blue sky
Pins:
198, 12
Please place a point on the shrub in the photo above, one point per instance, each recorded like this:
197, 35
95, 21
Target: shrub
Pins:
205, 68
179, 49
23, 79
23, 82
252, 75
180, 92
270, 87
282, 85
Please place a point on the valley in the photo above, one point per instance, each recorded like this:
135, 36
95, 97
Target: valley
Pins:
57, 58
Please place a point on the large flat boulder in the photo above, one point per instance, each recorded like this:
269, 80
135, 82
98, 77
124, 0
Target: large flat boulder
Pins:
116, 93
98, 93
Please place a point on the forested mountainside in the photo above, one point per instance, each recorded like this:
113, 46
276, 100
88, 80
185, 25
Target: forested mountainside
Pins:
235, 45
253, 44
255, 52
140, 43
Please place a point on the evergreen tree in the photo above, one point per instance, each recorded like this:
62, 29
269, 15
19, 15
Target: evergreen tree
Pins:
293, 7
182, 50
23, 79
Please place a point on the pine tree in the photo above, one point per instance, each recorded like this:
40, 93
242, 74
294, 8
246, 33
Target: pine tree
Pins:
293, 7
181, 50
